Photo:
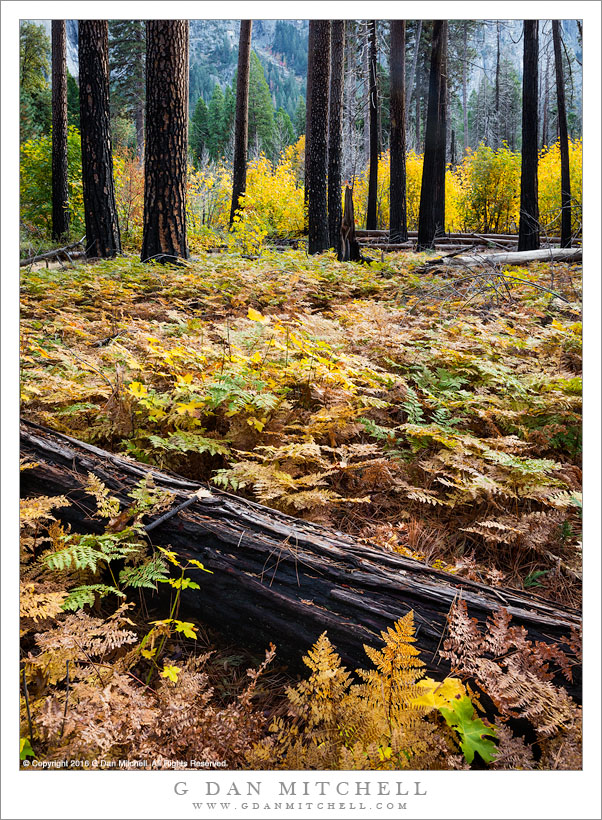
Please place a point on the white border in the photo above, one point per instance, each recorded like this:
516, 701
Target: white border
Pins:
150, 795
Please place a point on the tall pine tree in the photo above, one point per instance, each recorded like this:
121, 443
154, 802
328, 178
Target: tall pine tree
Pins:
398, 229
60, 191
565, 175
241, 129
528, 228
316, 161
164, 235
102, 228
337, 59
127, 49
373, 109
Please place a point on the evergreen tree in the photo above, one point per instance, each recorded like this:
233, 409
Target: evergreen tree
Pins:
127, 64
199, 131
229, 114
299, 119
398, 222
215, 123
261, 111
164, 234
284, 133
335, 113
565, 176
102, 228
35, 113
373, 109
72, 101
528, 227
239, 170
316, 161
60, 195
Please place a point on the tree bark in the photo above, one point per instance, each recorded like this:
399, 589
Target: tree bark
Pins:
278, 578
439, 191
528, 231
102, 227
335, 210
430, 195
398, 228
565, 175
316, 161
311, 50
373, 178
60, 189
164, 236
241, 128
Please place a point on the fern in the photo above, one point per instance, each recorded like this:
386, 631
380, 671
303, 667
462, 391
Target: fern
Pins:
86, 595
184, 442
145, 575
88, 551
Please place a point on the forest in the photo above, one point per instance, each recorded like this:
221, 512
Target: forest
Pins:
301, 394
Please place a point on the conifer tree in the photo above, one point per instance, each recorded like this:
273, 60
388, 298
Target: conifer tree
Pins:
215, 123
241, 132
164, 235
261, 111
127, 49
35, 112
316, 160
337, 59
528, 228
199, 131
434, 143
398, 231
565, 175
373, 108
102, 228
60, 191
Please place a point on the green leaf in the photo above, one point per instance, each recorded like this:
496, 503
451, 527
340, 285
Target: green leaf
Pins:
25, 749
472, 731
79, 597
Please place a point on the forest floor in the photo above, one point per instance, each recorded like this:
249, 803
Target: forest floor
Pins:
435, 413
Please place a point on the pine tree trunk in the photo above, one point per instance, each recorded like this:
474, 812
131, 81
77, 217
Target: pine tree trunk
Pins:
398, 228
164, 237
241, 132
316, 162
496, 140
430, 211
373, 178
439, 191
60, 190
528, 231
102, 228
565, 176
335, 210
418, 109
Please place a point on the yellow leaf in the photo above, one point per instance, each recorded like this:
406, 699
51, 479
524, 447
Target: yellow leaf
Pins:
256, 316
148, 653
137, 389
171, 672
439, 693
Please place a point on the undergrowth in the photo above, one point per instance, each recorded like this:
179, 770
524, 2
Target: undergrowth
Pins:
104, 687
448, 429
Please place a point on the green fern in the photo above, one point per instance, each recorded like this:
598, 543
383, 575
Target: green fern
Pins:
183, 442
88, 551
146, 574
79, 597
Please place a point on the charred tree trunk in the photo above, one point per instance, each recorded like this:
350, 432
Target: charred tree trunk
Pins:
164, 236
439, 191
350, 249
373, 178
528, 230
311, 50
565, 175
335, 210
430, 196
102, 228
241, 128
398, 227
316, 160
60, 189
278, 578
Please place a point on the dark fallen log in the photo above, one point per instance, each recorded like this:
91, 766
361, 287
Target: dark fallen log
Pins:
278, 578
40, 257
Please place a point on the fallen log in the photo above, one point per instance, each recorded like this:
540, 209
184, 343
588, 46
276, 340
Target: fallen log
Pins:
521, 257
40, 257
278, 578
